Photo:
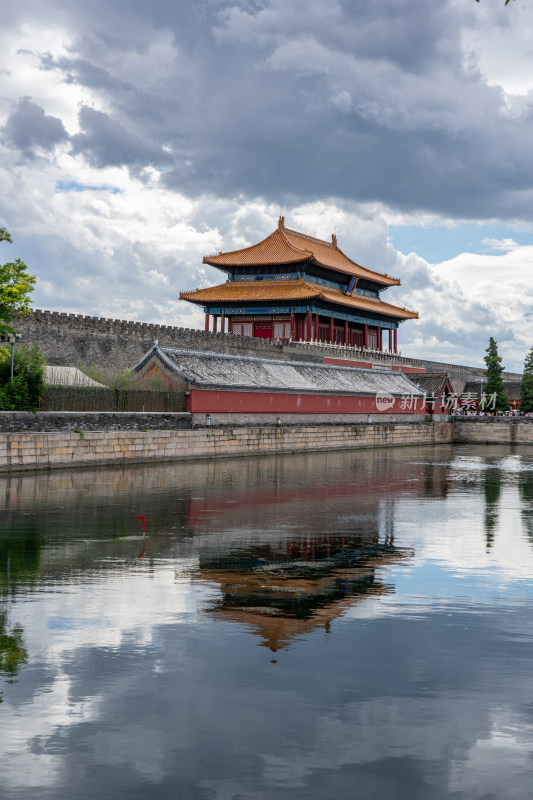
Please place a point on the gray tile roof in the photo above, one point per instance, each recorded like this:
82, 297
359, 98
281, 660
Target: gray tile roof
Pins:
432, 383
511, 388
200, 369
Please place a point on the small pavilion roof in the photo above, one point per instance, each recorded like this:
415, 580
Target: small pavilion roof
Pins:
434, 384
250, 291
286, 246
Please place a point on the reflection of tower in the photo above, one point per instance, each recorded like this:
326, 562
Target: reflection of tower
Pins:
290, 588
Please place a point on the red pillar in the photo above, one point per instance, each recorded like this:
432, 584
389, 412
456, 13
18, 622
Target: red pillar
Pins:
230, 325
380, 338
309, 327
207, 322
215, 320
223, 323
331, 330
346, 332
293, 327
395, 340
316, 327
366, 337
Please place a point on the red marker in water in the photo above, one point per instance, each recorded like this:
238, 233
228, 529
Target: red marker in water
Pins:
143, 520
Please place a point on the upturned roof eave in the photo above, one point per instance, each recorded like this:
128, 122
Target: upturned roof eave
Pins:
295, 255
389, 311
301, 255
156, 352
226, 266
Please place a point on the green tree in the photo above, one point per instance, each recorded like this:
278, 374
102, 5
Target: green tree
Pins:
494, 384
526, 387
15, 289
27, 387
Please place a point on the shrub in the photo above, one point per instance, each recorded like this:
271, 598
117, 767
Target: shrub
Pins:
24, 392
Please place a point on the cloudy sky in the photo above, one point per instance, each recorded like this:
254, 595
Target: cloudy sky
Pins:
137, 137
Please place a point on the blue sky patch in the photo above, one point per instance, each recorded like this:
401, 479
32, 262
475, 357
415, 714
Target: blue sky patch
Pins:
437, 243
72, 186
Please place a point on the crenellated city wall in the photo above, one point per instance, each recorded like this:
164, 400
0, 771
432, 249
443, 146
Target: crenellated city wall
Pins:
114, 344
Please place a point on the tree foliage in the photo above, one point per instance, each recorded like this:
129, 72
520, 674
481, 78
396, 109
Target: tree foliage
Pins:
493, 373
526, 387
16, 286
24, 392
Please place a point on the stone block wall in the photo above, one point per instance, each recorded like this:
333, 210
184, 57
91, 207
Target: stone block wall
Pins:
494, 431
68, 449
50, 421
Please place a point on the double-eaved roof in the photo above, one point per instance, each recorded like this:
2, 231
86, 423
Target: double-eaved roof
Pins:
302, 259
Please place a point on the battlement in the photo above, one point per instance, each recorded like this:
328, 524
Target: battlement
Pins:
115, 344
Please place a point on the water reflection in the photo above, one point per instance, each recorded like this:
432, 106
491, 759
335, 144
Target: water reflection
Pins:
393, 587
526, 496
289, 588
492, 487
13, 654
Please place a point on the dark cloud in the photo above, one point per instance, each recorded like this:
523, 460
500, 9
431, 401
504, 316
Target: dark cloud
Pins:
105, 142
28, 127
305, 100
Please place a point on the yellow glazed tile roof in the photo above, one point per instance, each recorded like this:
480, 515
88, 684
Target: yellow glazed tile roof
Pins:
247, 291
253, 290
285, 246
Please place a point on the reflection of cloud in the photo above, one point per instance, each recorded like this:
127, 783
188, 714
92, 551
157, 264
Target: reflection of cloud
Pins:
121, 609
479, 774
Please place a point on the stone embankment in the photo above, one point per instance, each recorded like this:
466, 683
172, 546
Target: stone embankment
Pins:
107, 439
494, 430
93, 448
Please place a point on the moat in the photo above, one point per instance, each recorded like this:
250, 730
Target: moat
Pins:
347, 624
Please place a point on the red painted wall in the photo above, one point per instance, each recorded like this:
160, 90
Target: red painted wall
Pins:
340, 362
212, 401
396, 368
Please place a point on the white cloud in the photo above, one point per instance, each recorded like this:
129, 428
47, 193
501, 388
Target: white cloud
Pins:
128, 247
500, 244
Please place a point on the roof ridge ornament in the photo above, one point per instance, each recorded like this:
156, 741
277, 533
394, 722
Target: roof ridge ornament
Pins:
281, 223
333, 240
